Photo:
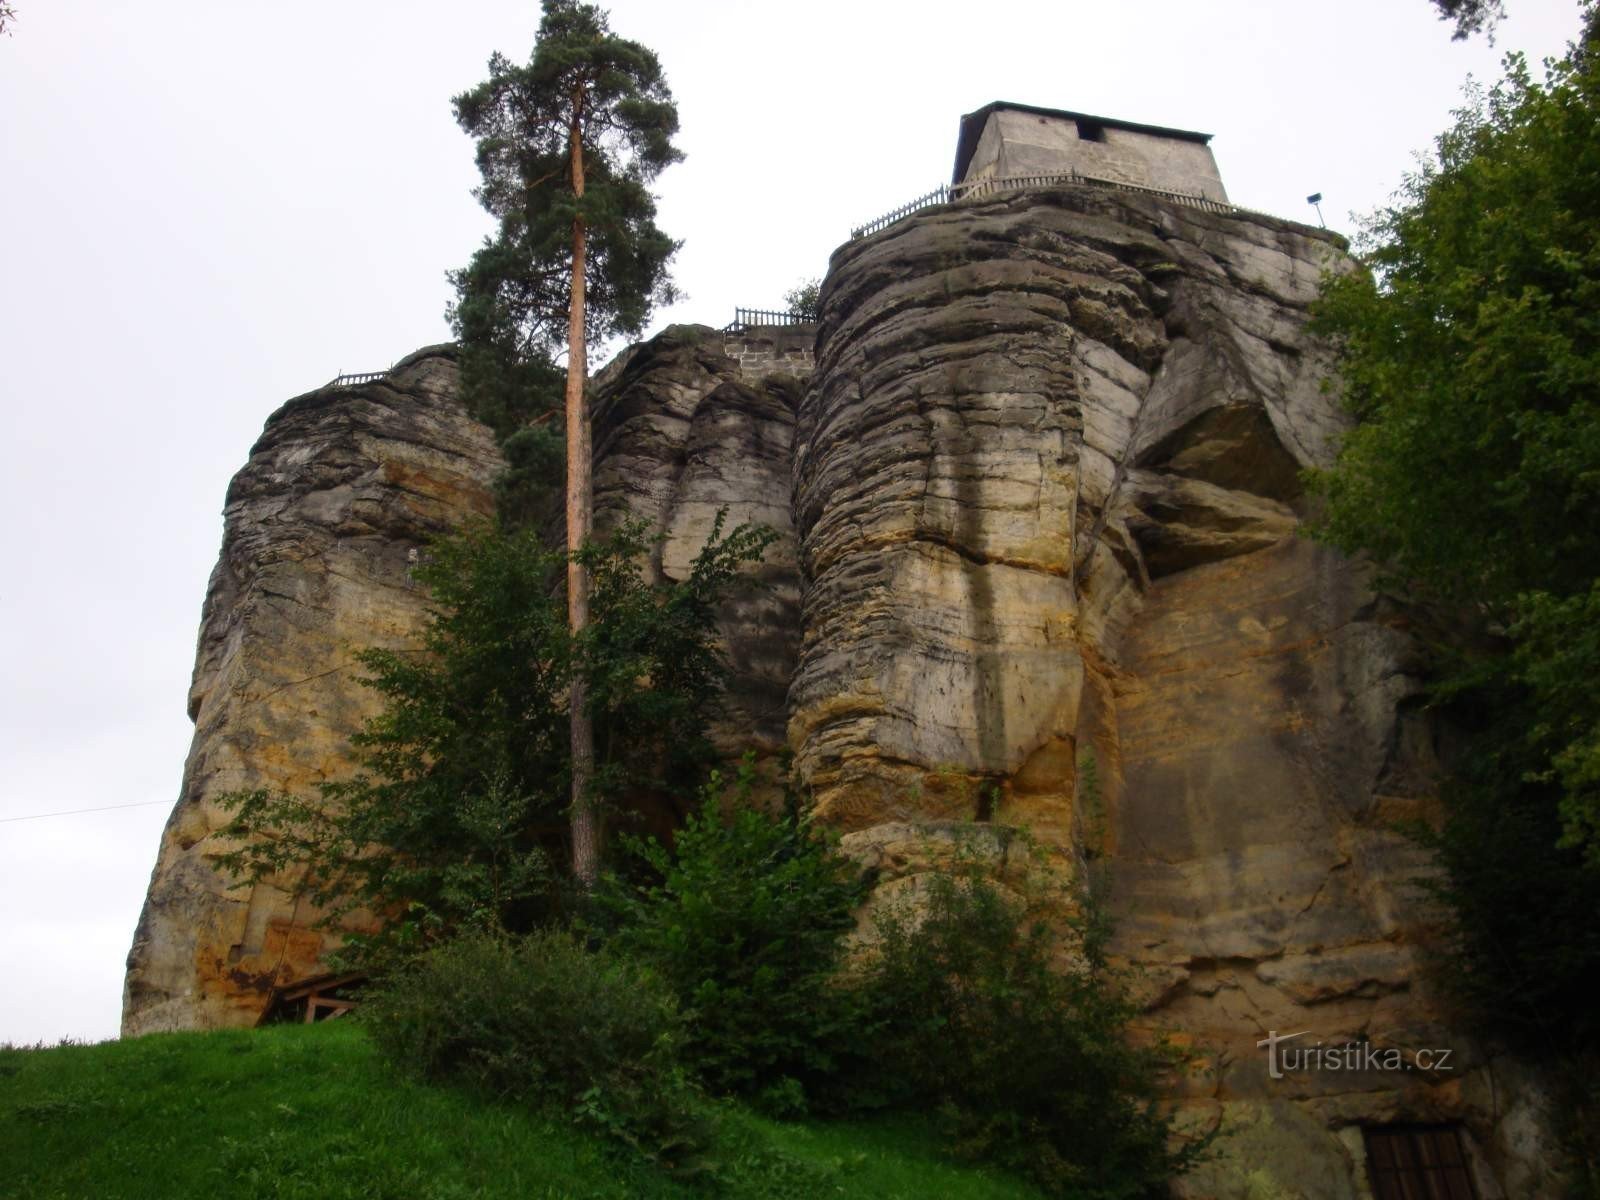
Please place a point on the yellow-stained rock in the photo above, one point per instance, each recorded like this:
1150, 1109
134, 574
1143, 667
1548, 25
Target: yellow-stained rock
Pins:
321, 530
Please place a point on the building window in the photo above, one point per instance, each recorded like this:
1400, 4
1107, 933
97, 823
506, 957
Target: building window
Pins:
1091, 131
1418, 1162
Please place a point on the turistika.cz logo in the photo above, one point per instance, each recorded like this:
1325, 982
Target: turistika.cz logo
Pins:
1348, 1056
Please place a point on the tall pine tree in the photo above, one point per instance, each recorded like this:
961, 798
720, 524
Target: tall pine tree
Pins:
567, 147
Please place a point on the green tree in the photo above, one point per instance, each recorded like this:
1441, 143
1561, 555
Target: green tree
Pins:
454, 819
567, 146
745, 916
1470, 355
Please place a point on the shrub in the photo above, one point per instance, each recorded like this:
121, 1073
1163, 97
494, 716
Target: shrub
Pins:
542, 1020
999, 1007
745, 917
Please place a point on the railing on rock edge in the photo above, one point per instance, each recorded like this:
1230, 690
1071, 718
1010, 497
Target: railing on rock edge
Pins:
940, 195
352, 380
744, 318
1006, 183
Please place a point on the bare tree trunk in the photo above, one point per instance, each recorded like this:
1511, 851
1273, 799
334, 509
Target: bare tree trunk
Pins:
580, 516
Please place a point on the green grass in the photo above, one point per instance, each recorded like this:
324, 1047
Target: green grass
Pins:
298, 1111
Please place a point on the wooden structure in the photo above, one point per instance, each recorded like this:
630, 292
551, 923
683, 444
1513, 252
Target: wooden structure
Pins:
320, 998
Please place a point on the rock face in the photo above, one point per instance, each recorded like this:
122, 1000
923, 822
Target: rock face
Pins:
321, 528
691, 424
1037, 510
320, 531
1046, 486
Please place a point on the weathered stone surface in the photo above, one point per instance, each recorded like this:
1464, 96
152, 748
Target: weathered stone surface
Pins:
1047, 488
685, 430
321, 529
322, 526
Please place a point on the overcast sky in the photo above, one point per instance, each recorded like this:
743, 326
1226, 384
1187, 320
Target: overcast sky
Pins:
207, 207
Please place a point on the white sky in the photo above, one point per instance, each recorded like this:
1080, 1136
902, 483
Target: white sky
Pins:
208, 206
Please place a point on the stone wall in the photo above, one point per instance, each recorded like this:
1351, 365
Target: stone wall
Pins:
1016, 142
762, 350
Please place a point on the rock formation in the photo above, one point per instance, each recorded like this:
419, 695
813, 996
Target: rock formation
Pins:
1037, 508
320, 530
691, 424
1047, 487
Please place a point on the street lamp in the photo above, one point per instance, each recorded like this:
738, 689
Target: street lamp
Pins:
1315, 200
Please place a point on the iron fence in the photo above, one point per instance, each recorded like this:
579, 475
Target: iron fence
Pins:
352, 380
746, 318
1006, 183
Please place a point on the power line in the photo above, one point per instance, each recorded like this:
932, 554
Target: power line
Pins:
80, 811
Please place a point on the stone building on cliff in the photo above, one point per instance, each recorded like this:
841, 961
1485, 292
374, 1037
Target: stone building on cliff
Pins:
1013, 141
1036, 480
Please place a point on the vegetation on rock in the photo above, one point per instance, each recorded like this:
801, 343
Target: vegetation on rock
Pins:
805, 299
994, 1001
1470, 356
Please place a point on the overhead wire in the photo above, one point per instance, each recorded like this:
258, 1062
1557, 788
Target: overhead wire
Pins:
76, 812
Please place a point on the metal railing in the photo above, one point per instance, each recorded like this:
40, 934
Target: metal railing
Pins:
352, 380
745, 318
1006, 183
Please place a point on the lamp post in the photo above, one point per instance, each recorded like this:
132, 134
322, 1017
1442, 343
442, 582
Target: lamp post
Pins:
1315, 200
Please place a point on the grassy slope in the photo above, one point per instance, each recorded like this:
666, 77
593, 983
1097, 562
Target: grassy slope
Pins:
310, 1112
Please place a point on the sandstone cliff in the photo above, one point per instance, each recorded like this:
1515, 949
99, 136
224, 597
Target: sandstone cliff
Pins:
321, 527
1047, 489
1037, 508
690, 424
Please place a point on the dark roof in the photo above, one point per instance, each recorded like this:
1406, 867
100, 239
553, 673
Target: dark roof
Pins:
972, 129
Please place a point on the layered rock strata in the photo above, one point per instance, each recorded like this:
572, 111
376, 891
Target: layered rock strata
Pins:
321, 530
686, 430
1047, 486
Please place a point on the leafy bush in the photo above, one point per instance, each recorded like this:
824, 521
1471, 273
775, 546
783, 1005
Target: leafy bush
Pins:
543, 1020
745, 917
998, 1006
